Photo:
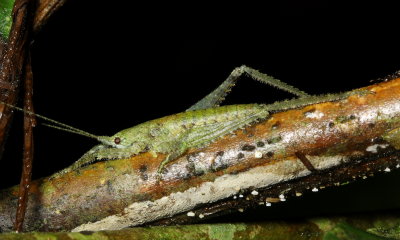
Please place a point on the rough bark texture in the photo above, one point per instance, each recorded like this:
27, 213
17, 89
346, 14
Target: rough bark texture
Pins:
343, 140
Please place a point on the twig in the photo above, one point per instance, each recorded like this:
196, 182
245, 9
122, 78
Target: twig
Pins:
45, 9
12, 60
29, 123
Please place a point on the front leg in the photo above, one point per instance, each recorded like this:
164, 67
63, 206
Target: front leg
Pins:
174, 151
170, 157
97, 153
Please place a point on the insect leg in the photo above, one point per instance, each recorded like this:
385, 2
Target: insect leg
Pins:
87, 158
171, 156
302, 157
217, 96
201, 136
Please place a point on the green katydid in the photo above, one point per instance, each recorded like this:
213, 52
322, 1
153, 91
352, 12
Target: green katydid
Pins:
198, 126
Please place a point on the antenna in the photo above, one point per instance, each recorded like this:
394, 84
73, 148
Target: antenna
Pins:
59, 125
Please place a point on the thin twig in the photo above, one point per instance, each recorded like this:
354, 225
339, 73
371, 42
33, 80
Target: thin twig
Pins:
29, 123
45, 9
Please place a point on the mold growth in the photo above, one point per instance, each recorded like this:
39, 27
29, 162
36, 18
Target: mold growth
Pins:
374, 148
313, 113
258, 154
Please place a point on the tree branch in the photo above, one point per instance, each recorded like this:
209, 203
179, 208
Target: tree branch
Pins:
344, 140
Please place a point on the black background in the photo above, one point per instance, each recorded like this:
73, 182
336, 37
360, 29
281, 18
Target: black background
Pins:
103, 66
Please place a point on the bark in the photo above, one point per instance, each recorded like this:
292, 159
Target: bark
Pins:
343, 141
45, 9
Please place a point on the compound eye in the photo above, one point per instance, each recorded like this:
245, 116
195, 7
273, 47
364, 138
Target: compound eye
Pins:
117, 140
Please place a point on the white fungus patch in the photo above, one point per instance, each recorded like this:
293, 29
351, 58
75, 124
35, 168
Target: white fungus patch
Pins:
258, 154
374, 148
315, 189
201, 215
387, 169
282, 198
254, 192
315, 114
191, 214
268, 204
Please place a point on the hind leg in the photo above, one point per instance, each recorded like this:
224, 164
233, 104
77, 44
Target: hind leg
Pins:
217, 96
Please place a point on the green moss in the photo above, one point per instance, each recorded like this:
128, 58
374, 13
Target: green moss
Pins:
224, 231
393, 137
5, 18
88, 236
323, 223
274, 140
344, 119
344, 231
386, 227
47, 189
45, 236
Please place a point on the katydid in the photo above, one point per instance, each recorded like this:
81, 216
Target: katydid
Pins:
198, 126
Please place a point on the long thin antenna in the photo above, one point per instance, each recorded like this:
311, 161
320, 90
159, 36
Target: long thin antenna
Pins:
72, 131
61, 126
